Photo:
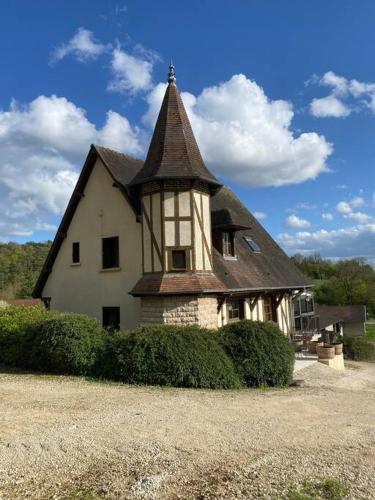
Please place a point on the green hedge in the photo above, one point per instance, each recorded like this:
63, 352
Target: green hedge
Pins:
168, 355
15, 326
261, 353
359, 349
247, 352
65, 343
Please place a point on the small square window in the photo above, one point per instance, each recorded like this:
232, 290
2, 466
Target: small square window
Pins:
110, 252
111, 318
252, 245
75, 253
179, 260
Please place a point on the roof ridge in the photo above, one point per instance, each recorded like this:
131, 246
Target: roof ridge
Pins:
130, 157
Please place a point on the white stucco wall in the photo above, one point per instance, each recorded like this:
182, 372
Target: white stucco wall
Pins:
86, 288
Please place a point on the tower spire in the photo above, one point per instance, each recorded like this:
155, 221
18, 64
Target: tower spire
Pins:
171, 74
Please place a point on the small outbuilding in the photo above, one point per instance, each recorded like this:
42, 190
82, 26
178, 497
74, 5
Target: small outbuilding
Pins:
345, 320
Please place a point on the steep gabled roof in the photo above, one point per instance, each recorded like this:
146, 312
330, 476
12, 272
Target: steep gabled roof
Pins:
173, 152
269, 269
121, 167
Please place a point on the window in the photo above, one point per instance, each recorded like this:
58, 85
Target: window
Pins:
268, 309
111, 318
228, 244
179, 260
110, 252
253, 246
75, 253
235, 309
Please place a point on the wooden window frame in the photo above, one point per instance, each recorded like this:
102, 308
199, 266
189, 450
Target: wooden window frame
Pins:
270, 301
240, 308
228, 244
117, 259
170, 251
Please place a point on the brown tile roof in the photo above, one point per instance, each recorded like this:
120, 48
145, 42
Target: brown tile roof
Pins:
269, 269
328, 315
177, 284
173, 152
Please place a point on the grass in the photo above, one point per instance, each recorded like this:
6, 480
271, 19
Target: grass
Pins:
322, 489
370, 331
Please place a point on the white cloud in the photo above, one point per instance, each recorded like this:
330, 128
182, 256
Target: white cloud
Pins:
130, 73
359, 217
245, 136
329, 106
357, 202
82, 46
42, 147
342, 89
343, 207
356, 241
327, 216
260, 215
305, 205
297, 222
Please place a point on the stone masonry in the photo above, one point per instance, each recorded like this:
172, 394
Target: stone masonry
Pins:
180, 310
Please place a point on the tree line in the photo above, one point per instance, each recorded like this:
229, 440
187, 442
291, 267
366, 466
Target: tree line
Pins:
20, 265
341, 282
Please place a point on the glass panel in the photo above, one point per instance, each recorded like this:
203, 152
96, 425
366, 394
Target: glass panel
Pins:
296, 307
297, 324
178, 259
252, 245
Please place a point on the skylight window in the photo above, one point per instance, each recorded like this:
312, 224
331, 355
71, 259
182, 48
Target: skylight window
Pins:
253, 246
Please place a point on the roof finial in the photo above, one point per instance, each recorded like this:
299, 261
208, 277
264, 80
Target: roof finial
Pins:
171, 74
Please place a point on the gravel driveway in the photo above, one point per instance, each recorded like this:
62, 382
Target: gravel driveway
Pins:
63, 437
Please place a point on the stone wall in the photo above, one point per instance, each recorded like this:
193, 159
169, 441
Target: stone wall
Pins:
180, 310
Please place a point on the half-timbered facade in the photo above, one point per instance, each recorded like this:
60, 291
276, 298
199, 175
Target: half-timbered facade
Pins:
162, 241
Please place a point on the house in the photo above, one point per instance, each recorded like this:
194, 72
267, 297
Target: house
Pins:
162, 241
345, 320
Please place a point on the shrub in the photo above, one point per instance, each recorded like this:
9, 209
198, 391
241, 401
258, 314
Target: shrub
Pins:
15, 323
65, 343
168, 355
359, 349
261, 353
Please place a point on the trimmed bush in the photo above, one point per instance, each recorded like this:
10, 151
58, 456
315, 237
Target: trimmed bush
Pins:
359, 349
15, 324
65, 343
168, 355
261, 353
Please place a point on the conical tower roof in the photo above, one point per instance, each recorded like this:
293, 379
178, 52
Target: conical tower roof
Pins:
173, 152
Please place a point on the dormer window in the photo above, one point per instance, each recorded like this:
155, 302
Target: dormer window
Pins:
228, 244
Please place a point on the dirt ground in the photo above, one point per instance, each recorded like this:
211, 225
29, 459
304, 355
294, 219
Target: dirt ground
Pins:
70, 438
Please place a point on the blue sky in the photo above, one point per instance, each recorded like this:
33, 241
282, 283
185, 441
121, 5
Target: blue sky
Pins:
281, 95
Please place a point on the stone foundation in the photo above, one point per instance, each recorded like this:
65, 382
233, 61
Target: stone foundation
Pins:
337, 362
180, 310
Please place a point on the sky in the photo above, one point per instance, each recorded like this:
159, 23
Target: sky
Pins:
280, 94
